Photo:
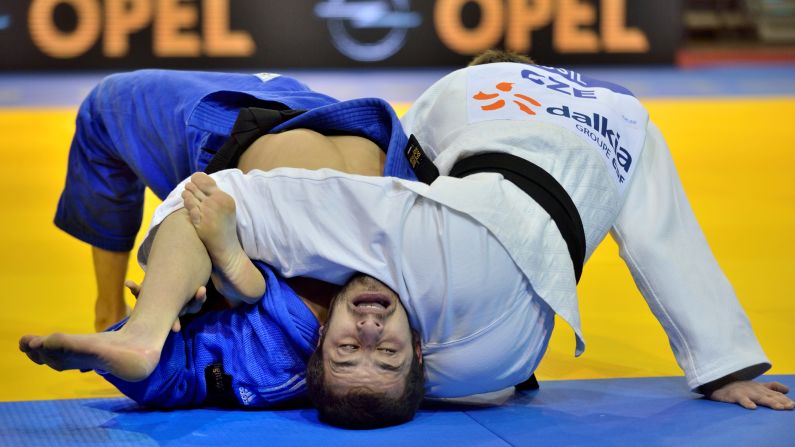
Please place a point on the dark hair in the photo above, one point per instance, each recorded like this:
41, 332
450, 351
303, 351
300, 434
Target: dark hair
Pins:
363, 407
492, 56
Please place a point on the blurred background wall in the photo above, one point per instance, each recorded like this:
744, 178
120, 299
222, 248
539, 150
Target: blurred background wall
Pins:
123, 34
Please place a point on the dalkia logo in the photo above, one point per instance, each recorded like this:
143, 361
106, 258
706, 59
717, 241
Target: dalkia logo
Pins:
368, 30
599, 131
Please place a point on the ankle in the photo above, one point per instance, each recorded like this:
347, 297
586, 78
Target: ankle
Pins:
241, 282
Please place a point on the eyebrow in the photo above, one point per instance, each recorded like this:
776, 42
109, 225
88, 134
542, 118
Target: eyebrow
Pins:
389, 367
381, 365
342, 364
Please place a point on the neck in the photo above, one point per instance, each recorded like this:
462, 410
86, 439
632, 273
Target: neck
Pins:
316, 294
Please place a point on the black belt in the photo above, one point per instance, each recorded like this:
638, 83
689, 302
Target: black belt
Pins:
541, 187
251, 123
534, 181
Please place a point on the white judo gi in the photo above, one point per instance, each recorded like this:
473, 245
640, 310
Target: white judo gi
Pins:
480, 267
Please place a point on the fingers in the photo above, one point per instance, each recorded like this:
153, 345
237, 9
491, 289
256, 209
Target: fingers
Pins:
195, 305
768, 401
750, 394
133, 287
776, 386
746, 402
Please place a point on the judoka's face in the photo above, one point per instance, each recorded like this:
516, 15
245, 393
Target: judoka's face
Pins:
367, 342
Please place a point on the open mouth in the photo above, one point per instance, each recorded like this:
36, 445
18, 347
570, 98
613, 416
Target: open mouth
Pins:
374, 302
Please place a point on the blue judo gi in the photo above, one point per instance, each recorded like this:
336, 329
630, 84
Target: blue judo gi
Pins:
156, 127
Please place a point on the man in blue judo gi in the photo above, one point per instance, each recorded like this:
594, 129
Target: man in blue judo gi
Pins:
154, 128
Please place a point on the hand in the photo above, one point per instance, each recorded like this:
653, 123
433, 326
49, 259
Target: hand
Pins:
749, 394
193, 306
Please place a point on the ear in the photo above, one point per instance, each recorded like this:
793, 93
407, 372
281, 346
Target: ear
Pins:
320, 332
418, 350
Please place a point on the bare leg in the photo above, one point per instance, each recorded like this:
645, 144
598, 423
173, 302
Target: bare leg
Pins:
110, 269
212, 213
178, 266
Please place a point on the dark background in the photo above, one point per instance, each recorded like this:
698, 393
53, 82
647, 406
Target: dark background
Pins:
287, 34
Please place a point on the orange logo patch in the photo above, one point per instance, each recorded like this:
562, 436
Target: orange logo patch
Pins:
506, 87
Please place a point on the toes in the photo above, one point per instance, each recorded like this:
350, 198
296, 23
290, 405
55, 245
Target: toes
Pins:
189, 199
204, 182
194, 190
195, 216
29, 342
23, 343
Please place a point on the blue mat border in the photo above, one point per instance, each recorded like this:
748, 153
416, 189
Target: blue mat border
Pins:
606, 412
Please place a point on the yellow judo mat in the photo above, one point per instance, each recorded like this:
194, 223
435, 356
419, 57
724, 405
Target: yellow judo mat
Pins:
736, 158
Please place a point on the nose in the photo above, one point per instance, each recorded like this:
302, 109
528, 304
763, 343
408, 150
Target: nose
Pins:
370, 328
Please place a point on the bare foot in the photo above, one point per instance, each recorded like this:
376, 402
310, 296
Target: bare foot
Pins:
212, 213
111, 352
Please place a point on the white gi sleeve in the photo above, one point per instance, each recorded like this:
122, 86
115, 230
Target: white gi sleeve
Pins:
322, 224
675, 270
